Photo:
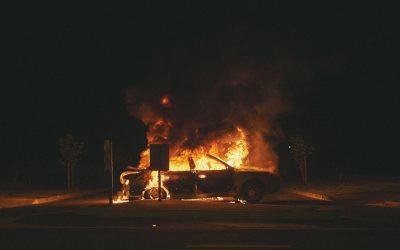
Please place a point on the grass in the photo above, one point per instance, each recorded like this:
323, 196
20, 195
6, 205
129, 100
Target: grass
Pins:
346, 187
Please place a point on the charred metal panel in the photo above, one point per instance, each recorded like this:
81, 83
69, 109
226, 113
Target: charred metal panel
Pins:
138, 182
191, 163
215, 180
180, 182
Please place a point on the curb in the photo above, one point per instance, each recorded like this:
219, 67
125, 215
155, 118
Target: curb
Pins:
386, 204
316, 214
307, 194
66, 196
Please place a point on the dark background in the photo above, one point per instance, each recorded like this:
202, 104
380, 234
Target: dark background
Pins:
66, 65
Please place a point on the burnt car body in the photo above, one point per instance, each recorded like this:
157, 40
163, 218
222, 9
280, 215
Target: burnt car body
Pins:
228, 182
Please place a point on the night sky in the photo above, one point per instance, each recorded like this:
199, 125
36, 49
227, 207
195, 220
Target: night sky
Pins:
66, 67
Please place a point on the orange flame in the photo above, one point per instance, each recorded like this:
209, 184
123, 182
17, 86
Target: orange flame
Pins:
232, 149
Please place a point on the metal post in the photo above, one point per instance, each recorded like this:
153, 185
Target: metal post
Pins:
112, 176
108, 166
159, 186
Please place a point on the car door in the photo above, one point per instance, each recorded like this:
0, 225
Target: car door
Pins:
180, 182
209, 181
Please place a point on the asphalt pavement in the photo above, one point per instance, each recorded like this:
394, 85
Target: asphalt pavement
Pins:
59, 225
210, 209
286, 204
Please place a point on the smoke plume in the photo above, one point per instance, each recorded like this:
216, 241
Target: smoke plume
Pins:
206, 107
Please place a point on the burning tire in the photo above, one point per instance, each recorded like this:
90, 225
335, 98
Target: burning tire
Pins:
253, 191
152, 193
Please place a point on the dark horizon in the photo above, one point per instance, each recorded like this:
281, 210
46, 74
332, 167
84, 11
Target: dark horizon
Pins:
68, 66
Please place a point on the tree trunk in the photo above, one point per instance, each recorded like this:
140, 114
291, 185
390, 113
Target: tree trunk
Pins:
69, 176
305, 169
302, 173
72, 183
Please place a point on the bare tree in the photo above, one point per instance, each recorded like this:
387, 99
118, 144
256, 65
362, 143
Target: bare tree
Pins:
70, 151
300, 151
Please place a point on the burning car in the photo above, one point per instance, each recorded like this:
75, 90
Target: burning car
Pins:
232, 117
219, 180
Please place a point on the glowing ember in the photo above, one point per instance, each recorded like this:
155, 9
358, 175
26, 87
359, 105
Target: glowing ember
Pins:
120, 201
165, 102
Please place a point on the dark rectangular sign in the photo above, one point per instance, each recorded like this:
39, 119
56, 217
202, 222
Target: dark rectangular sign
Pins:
107, 155
159, 157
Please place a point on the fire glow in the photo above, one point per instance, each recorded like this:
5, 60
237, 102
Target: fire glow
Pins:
231, 148
165, 102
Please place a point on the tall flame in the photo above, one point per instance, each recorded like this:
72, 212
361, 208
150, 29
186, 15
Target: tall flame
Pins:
233, 150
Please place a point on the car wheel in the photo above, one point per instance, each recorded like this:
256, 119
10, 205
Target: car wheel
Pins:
252, 192
152, 193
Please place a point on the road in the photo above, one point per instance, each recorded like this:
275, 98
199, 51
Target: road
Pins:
56, 225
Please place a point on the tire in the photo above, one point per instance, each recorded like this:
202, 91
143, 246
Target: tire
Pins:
253, 192
152, 193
